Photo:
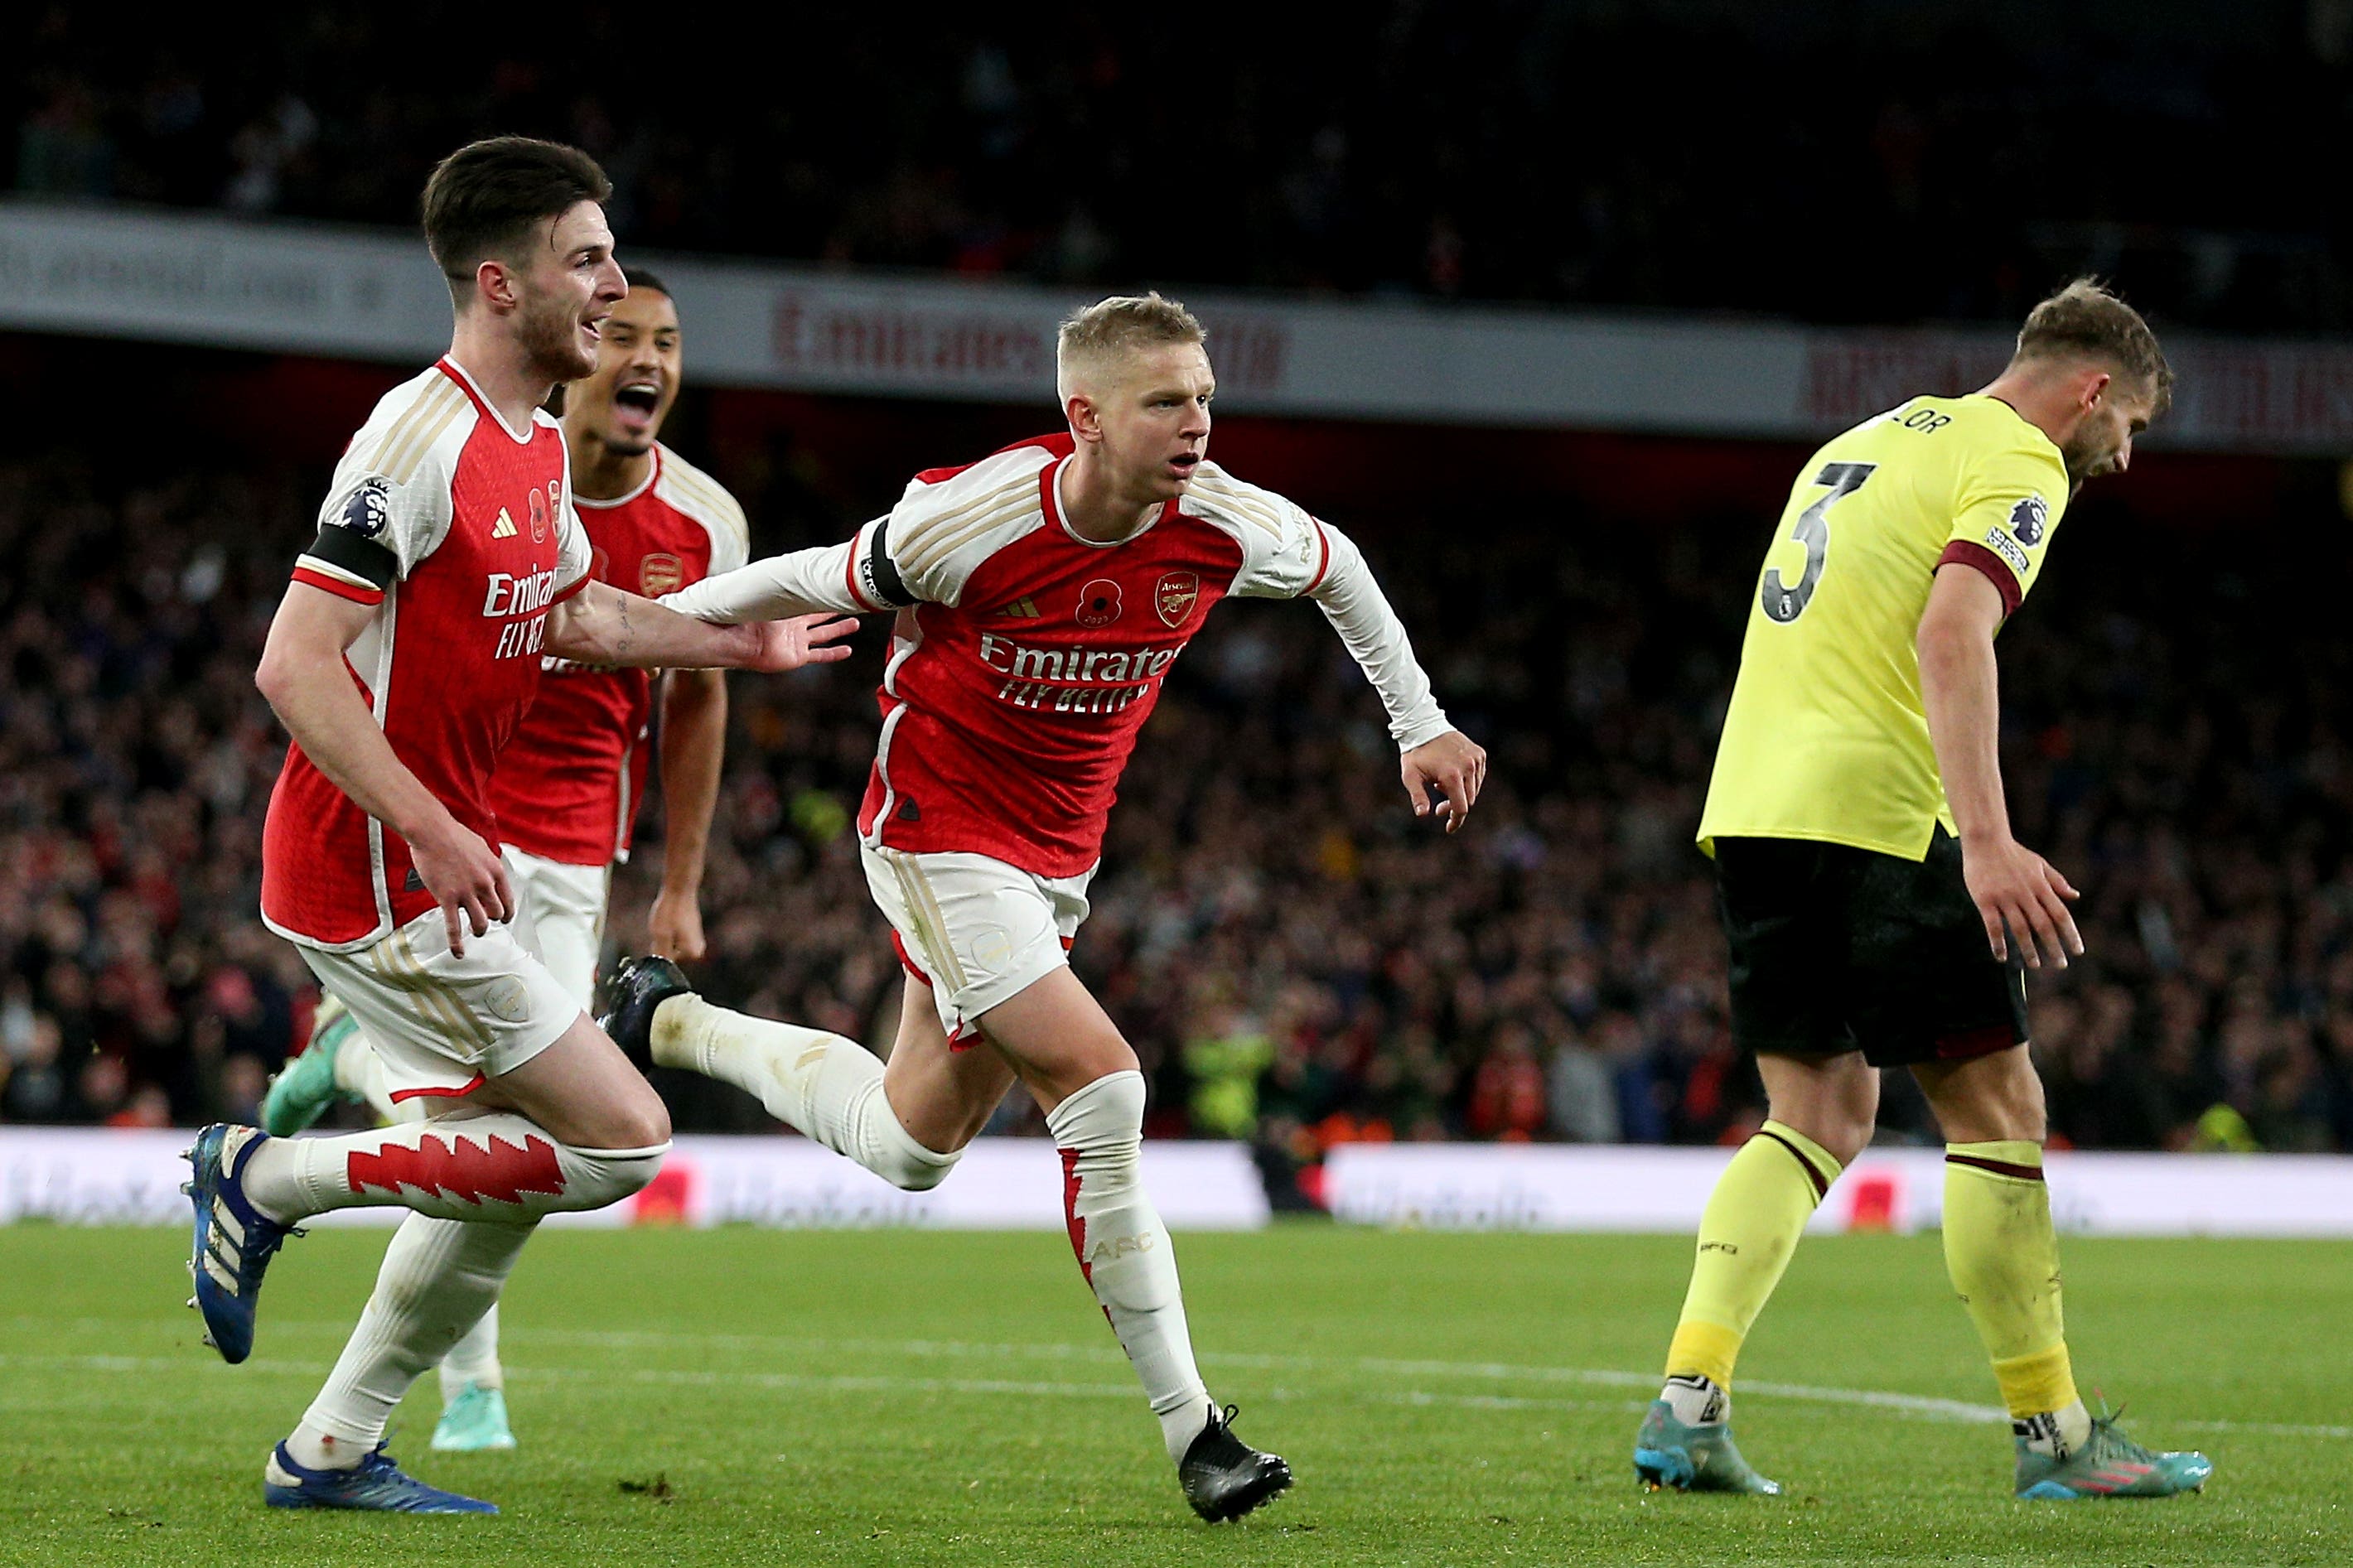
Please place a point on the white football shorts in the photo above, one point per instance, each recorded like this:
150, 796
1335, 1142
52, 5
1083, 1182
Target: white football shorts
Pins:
976, 930
441, 1023
560, 916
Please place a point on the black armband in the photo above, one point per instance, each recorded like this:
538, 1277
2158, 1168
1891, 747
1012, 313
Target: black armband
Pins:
345, 550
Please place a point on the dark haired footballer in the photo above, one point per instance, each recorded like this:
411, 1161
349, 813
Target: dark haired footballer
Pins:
570, 781
450, 560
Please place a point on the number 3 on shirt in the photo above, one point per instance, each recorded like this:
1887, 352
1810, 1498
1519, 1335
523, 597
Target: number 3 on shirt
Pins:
1785, 603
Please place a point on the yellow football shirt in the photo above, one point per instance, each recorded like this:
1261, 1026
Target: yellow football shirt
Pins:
1827, 736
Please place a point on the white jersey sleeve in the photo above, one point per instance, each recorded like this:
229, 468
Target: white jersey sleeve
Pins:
922, 552
1285, 551
942, 530
389, 505
1287, 554
798, 583
574, 556
1353, 602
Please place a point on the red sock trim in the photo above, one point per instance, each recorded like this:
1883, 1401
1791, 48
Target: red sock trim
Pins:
1070, 1212
459, 1167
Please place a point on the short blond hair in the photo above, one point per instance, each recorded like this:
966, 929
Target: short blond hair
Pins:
1110, 327
2086, 320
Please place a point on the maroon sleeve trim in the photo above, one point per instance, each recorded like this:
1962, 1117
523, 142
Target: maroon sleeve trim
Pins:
577, 584
1961, 552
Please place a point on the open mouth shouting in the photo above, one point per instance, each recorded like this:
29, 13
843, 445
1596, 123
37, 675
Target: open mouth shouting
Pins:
635, 403
1182, 465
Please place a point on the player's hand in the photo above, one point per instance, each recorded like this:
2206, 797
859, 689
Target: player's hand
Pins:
1450, 768
465, 878
798, 641
674, 930
2022, 897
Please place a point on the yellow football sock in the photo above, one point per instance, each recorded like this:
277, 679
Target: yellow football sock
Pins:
2003, 1258
1751, 1225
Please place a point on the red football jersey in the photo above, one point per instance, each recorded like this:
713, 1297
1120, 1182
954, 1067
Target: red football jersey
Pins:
568, 784
461, 533
1031, 657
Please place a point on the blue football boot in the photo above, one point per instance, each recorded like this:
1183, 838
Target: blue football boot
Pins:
234, 1241
376, 1485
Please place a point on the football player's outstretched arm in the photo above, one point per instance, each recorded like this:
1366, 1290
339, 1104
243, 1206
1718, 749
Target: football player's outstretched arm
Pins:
603, 625
1437, 757
798, 583
303, 675
2018, 893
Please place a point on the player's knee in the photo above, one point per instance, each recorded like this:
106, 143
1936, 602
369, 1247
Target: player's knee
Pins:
916, 1169
897, 1155
1104, 1118
1843, 1139
641, 1123
1841, 1131
604, 1176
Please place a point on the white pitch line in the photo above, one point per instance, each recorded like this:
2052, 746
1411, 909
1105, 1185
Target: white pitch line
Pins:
1906, 1405
843, 1382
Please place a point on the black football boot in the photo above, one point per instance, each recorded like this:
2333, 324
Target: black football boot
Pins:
1225, 1478
626, 1000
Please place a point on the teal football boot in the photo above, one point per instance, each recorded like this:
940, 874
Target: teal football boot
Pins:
305, 1087
2109, 1464
474, 1423
1693, 1458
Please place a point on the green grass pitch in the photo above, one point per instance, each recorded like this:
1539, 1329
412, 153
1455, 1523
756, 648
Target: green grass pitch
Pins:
913, 1398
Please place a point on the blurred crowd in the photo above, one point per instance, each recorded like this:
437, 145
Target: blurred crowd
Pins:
1871, 162
1298, 960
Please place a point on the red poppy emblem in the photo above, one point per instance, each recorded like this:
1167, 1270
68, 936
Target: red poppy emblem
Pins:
1099, 602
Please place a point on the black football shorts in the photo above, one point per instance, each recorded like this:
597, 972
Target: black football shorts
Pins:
1837, 949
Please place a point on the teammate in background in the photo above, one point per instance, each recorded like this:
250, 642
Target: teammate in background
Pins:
1879, 912
567, 786
1042, 594
448, 558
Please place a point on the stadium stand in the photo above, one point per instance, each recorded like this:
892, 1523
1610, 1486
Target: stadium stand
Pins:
1967, 155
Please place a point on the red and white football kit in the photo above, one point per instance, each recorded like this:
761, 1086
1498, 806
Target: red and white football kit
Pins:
1025, 659
568, 784
461, 533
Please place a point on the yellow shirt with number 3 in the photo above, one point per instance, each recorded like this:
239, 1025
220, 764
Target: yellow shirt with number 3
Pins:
1827, 736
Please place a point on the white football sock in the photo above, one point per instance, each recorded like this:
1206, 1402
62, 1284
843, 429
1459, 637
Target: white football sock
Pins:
1697, 1401
819, 1084
474, 1358
438, 1277
1124, 1251
359, 1071
497, 1167
2057, 1433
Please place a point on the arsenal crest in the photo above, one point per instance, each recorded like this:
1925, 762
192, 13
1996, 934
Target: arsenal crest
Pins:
538, 515
660, 575
1173, 595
